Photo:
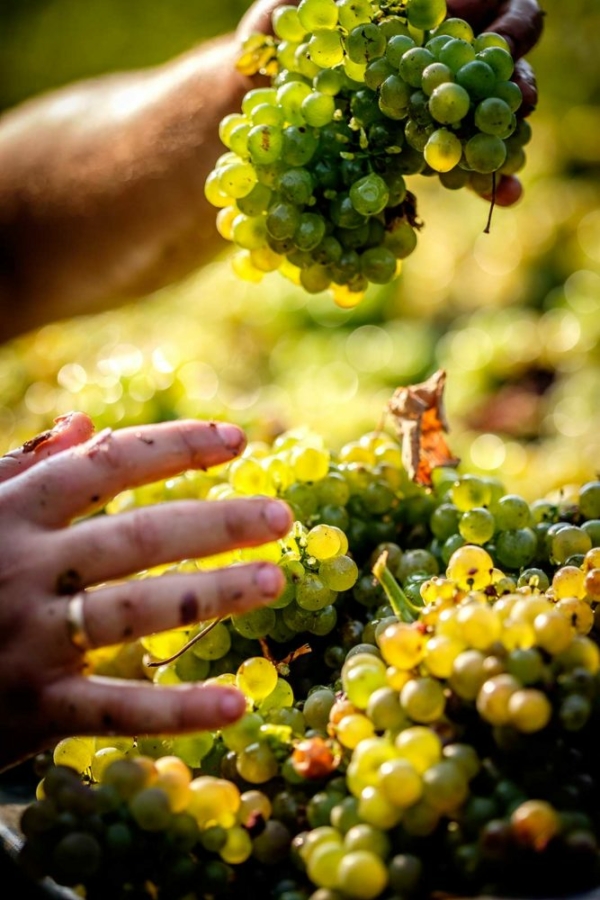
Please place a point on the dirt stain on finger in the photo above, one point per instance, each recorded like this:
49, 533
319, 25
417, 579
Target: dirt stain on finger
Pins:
188, 609
37, 441
68, 583
97, 444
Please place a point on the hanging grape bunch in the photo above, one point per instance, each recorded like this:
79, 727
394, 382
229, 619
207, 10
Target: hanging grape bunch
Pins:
363, 93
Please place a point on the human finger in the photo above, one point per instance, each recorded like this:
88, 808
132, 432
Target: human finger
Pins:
107, 706
69, 430
476, 13
108, 547
524, 76
86, 477
121, 613
519, 21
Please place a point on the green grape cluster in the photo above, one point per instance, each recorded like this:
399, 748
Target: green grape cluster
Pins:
447, 720
148, 829
440, 734
362, 95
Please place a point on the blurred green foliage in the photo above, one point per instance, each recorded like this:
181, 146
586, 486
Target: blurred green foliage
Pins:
47, 43
514, 316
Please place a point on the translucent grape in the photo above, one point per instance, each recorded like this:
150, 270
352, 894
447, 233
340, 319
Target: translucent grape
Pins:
361, 875
477, 78
315, 14
362, 680
434, 75
339, 573
265, 143
421, 746
151, 810
426, 14
323, 863
378, 264
256, 677
412, 64
456, 53
490, 39
318, 109
445, 786
589, 500
529, 710
402, 645
365, 43
499, 60
470, 567
449, 103
493, 698
396, 47
76, 752
369, 195
469, 491
236, 179
286, 23
325, 48
443, 150
256, 763
423, 699
494, 116
455, 28
516, 548
569, 541
254, 624
401, 782
477, 525
485, 152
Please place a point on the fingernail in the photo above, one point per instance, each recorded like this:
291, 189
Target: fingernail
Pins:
63, 421
232, 705
269, 580
278, 517
232, 436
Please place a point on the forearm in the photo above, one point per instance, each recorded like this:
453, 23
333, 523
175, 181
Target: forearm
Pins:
102, 187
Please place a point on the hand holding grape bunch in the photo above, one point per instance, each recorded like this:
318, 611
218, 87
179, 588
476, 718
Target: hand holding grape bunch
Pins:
361, 96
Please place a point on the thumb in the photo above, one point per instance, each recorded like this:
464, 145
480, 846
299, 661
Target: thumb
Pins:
258, 18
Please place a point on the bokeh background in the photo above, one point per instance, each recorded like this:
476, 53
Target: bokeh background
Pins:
513, 316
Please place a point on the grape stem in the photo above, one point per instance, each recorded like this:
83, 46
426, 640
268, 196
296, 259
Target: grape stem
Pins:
283, 666
403, 608
488, 225
148, 661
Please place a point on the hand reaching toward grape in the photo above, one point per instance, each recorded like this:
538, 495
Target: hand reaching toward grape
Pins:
50, 613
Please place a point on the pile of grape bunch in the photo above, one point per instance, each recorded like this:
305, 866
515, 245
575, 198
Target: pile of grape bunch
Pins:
363, 93
423, 702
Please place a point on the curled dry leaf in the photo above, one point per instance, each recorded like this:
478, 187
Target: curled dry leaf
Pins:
420, 421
